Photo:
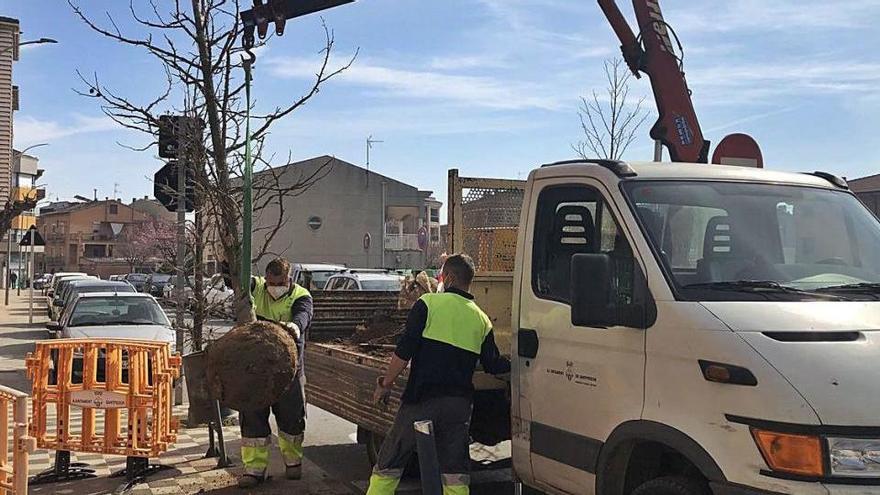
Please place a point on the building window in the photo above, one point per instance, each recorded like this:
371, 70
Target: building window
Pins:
315, 223
114, 209
435, 215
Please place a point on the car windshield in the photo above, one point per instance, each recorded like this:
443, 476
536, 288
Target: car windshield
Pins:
136, 277
161, 278
742, 241
390, 284
320, 277
117, 310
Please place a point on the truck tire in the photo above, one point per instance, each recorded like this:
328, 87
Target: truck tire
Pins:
672, 485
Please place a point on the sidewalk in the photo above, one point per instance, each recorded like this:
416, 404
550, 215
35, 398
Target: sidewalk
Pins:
17, 336
189, 472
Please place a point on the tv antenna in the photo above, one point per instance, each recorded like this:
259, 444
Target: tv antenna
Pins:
370, 142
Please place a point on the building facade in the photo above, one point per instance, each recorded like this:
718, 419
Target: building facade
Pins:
9, 32
89, 237
350, 216
868, 190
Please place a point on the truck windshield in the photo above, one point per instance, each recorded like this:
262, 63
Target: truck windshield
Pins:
742, 241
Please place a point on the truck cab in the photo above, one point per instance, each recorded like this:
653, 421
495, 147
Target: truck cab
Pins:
691, 329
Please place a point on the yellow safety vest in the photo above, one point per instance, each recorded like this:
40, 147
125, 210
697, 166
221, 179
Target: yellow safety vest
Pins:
456, 320
275, 309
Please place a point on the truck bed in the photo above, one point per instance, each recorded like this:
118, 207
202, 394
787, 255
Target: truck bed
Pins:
341, 380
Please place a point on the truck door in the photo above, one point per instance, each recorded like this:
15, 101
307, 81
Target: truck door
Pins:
576, 384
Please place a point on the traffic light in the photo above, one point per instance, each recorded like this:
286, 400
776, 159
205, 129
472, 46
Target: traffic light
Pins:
165, 186
173, 129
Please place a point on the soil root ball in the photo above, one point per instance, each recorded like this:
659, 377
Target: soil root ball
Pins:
252, 365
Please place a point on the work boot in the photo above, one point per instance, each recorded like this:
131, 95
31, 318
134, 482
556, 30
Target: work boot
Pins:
246, 481
293, 472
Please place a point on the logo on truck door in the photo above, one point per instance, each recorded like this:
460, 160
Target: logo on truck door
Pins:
572, 374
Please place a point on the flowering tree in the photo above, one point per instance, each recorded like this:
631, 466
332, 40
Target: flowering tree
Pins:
150, 241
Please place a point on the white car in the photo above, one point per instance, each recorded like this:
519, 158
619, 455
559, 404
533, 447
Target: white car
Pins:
115, 315
365, 280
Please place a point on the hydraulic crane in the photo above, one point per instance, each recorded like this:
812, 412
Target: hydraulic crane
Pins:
652, 52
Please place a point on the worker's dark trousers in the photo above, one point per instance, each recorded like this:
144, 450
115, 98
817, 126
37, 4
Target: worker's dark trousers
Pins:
290, 414
452, 419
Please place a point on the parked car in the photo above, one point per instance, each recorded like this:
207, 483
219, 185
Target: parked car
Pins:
59, 291
84, 286
314, 276
115, 278
50, 289
137, 280
113, 315
155, 284
369, 280
41, 281
218, 296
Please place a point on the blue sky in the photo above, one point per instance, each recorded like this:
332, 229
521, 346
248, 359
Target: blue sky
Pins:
488, 86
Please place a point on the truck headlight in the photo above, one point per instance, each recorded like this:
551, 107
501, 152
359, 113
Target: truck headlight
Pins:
854, 457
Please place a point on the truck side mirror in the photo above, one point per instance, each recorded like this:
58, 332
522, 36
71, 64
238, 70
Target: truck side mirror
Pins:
607, 292
53, 326
591, 290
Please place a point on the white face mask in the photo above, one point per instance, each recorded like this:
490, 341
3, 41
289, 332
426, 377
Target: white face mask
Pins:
277, 291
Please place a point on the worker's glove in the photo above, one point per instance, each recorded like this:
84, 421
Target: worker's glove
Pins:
382, 393
293, 329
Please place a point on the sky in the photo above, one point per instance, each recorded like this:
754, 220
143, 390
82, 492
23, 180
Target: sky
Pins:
491, 87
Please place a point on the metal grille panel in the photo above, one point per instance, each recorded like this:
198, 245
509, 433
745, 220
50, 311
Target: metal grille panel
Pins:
490, 221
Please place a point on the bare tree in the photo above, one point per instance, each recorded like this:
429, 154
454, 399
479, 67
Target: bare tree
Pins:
610, 125
197, 48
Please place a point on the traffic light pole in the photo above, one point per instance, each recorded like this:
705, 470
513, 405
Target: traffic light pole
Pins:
181, 261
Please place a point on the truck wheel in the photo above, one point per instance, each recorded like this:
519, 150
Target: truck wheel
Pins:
672, 485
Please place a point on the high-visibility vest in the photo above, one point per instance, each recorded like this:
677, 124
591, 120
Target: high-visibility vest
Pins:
455, 320
275, 309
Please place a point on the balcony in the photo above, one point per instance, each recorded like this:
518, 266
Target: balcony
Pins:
402, 242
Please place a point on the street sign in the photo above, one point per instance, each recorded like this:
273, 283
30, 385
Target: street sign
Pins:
165, 186
38, 239
738, 149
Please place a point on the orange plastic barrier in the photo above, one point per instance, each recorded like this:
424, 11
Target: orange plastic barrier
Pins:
126, 383
14, 477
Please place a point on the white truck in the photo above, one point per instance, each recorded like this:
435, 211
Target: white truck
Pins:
682, 329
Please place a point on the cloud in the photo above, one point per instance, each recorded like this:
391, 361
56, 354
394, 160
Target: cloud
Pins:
761, 15
29, 130
479, 91
760, 82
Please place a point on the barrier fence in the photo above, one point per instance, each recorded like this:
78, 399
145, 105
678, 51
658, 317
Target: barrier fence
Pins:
14, 474
121, 388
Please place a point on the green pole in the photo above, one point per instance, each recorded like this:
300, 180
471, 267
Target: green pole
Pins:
247, 196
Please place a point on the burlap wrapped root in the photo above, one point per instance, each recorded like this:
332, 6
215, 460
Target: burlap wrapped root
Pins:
252, 365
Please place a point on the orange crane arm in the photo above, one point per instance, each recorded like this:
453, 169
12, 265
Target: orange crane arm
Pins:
653, 53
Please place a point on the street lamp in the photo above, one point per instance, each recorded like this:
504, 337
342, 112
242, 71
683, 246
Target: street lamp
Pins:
40, 41
9, 232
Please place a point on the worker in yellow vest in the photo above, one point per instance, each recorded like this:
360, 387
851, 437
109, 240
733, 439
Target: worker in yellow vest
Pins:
446, 333
276, 298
